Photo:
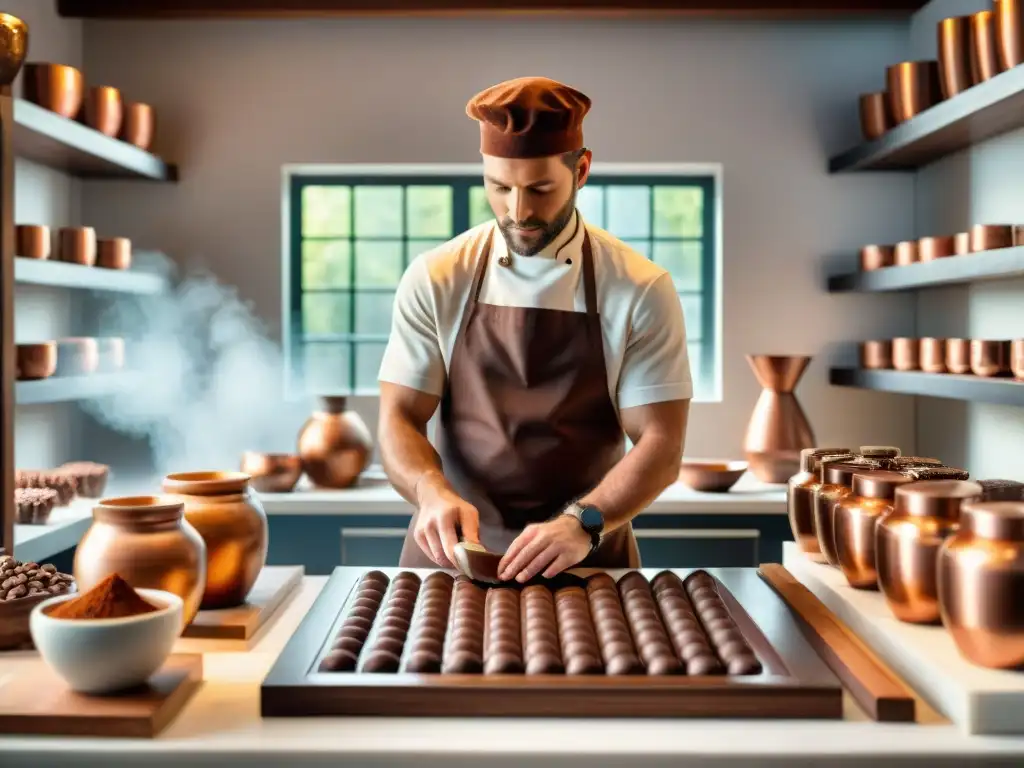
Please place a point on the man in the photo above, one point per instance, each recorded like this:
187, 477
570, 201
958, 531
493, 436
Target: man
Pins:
542, 338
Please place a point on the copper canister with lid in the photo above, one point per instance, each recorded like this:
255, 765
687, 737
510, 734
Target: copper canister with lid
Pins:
836, 475
800, 499
907, 545
854, 519
981, 584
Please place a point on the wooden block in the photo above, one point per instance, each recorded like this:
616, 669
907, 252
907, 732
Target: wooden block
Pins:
274, 585
874, 686
39, 703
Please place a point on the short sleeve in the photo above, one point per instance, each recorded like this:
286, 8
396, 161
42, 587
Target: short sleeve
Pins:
413, 355
656, 364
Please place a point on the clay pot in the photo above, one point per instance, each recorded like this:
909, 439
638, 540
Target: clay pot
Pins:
13, 47
335, 445
147, 541
778, 428
223, 509
272, 472
55, 87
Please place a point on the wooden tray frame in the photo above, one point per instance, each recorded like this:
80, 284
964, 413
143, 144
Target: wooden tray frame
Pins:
794, 683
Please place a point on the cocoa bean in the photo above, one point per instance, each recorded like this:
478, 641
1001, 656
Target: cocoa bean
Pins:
19, 591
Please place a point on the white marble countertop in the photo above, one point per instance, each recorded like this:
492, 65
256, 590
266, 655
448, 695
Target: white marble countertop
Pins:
222, 726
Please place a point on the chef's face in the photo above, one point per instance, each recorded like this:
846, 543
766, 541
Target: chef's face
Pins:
533, 198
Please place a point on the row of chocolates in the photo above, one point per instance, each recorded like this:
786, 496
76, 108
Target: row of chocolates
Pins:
979, 238
940, 548
37, 492
978, 357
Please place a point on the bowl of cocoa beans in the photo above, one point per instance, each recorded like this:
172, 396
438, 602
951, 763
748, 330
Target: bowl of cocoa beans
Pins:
23, 586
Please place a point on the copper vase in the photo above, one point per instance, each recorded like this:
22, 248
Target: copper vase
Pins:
981, 580
147, 541
335, 445
1009, 32
13, 47
231, 520
778, 428
954, 55
800, 499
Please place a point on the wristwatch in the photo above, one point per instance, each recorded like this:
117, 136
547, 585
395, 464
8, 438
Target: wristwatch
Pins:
590, 518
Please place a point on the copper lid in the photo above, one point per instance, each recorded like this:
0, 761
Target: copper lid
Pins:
878, 484
1001, 490
138, 510
995, 520
936, 498
842, 472
879, 451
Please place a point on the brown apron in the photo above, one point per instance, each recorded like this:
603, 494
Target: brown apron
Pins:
527, 424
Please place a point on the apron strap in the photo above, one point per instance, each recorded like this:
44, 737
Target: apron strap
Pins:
474, 289
589, 286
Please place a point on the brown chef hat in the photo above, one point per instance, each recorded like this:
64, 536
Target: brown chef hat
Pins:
529, 117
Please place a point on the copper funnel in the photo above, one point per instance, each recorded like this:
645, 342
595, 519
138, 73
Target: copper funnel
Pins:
13, 47
954, 55
1009, 32
778, 428
102, 110
913, 88
875, 115
984, 62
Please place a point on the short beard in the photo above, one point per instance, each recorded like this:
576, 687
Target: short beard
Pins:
550, 230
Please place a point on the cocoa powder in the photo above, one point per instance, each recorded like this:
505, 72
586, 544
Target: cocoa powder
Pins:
112, 598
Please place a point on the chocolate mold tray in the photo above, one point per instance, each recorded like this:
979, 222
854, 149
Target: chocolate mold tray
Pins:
640, 643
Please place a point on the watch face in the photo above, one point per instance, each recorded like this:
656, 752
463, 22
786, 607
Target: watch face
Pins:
591, 518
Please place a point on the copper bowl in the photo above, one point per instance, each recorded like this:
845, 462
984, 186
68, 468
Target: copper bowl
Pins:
710, 475
77, 356
989, 237
139, 125
962, 243
875, 115
913, 88
876, 257
111, 354
932, 248
876, 355
933, 355
906, 354
114, 252
35, 361
13, 47
984, 60
905, 253
1017, 358
958, 356
103, 110
955, 55
1009, 32
272, 472
990, 358
55, 87
77, 245
32, 241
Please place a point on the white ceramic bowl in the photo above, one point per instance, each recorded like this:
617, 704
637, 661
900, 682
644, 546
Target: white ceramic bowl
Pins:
107, 655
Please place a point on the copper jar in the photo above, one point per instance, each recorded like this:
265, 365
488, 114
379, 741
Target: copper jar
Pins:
149, 543
906, 354
1009, 32
876, 355
954, 55
958, 356
907, 545
984, 59
272, 472
138, 125
834, 477
800, 499
854, 519
990, 358
991, 237
231, 520
935, 247
933, 355
874, 257
875, 115
77, 245
904, 253
913, 88
1017, 358
335, 445
102, 110
961, 243
32, 241
981, 580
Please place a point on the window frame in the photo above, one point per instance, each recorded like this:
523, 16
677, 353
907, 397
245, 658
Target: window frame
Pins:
296, 177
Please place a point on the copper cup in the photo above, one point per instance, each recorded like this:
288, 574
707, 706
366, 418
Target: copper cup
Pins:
913, 88
933, 355
103, 110
906, 354
954, 55
988, 237
962, 243
932, 248
32, 241
35, 361
981, 575
1009, 32
907, 545
114, 253
138, 125
854, 520
111, 354
55, 87
77, 245
905, 253
876, 257
876, 355
990, 358
958, 356
272, 472
77, 356
984, 60
1017, 358
875, 115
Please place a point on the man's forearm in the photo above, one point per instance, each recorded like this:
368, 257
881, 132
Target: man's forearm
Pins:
409, 459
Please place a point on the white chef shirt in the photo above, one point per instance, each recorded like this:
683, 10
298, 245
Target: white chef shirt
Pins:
642, 322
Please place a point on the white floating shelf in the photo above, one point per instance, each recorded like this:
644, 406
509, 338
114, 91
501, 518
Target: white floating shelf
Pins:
65, 275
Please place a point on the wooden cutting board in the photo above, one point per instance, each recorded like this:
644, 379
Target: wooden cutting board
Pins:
276, 583
37, 702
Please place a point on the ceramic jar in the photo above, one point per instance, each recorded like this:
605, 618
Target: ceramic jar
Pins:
835, 476
800, 499
227, 514
147, 541
335, 445
907, 545
981, 584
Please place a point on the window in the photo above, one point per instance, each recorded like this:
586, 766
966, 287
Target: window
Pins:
352, 234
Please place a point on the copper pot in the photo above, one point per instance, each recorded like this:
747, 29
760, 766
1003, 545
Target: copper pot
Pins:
272, 472
335, 445
990, 358
981, 579
111, 354
933, 355
114, 253
231, 520
32, 241
138, 125
962, 243
55, 87
876, 355
954, 55
989, 237
800, 499
984, 60
932, 248
913, 88
1009, 32
958, 356
906, 354
835, 473
77, 356
146, 541
875, 115
103, 110
77, 245
907, 545
35, 361
876, 257
905, 253
854, 520
1017, 358
13, 47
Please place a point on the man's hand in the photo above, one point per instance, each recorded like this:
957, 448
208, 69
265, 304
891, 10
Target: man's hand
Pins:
442, 516
550, 547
